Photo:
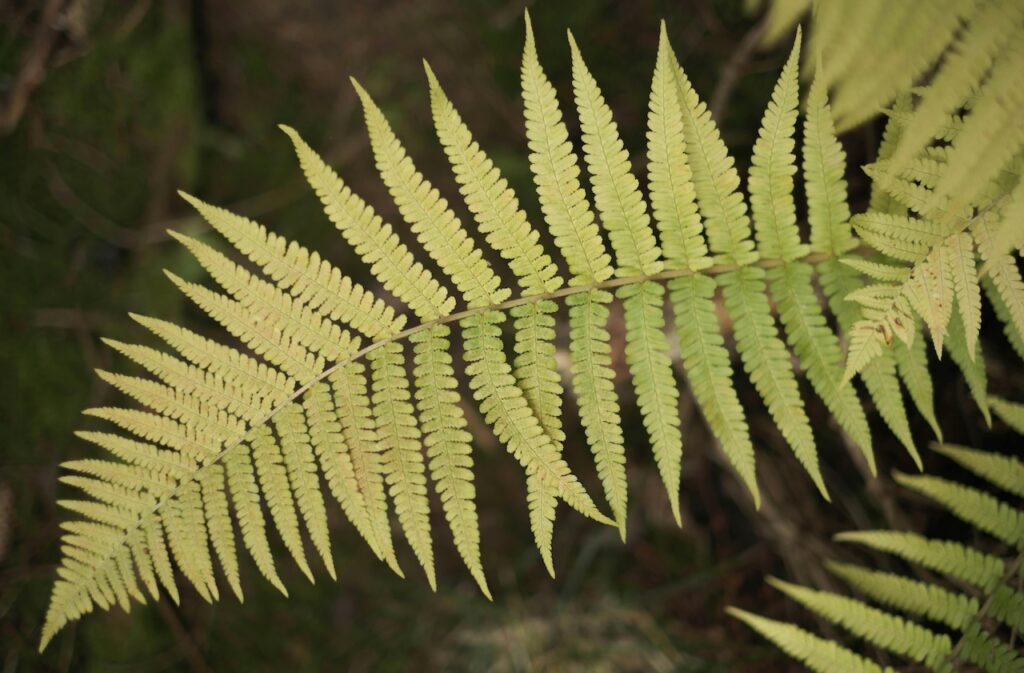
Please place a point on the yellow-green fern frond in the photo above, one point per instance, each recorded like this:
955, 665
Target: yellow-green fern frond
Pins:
818, 654
399, 436
372, 238
670, 180
489, 198
437, 228
824, 164
311, 280
1011, 413
592, 381
556, 174
715, 180
912, 367
773, 166
353, 387
616, 190
709, 372
876, 626
973, 638
977, 508
448, 443
911, 596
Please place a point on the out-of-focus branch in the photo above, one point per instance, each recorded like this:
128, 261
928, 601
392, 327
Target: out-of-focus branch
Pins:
33, 67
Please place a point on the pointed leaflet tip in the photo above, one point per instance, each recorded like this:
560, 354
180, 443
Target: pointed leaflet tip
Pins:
360, 91
290, 132
572, 43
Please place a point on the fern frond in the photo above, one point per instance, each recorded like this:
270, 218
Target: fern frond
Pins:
556, 175
1011, 413
1002, 269
300, 462
670, 180
766, 362
437, 228
773, 166
967, 61
715, 180
232, 365
592, 380
912, 367
616, 191
709, 372
950, 558
1003, 471
274, 484
824, 164
1015, 337
311, 280
992, 135
222, 534
536, 368
911, 596
245, 500
448, 443
818, 349
818, 654
656, 391
334, 457
359, 428
372, 238
972, 366
399, 436
492, 202
977, 508
876, 626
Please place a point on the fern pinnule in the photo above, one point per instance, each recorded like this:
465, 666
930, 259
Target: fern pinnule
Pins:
448, 443
623, 212
912, 368
1011, 413
670, 180
818, 654
702, 350
556, 174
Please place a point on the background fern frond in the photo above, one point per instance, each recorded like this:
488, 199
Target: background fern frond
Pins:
972, 615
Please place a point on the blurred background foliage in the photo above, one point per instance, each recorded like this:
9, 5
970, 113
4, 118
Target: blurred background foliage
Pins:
107, 107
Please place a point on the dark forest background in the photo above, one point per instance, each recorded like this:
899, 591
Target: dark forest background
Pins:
108, 107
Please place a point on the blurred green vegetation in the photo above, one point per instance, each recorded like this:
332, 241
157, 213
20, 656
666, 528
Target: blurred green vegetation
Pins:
139, 99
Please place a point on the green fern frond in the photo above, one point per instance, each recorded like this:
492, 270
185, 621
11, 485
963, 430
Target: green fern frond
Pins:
556, 175
673, 196
818, 654
908, 595
974, 617
1000, 470
328, 378
950, 558
912, 367
448, 443
876, 626
1011, 413
824, 164
709, 372
977, 508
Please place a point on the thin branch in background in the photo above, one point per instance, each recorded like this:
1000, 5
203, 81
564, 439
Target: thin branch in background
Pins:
33, 68
732, 70
186, 645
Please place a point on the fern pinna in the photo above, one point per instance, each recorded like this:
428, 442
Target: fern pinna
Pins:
978, 607
317, 389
